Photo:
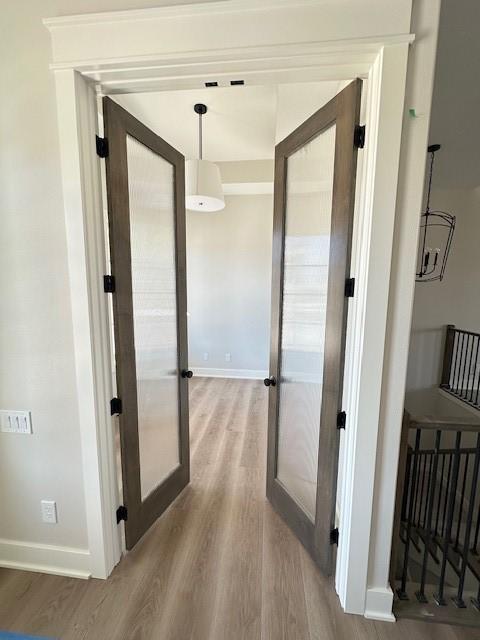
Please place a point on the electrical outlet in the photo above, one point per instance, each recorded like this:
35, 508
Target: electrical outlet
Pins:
228, 357
49, 511
15, 422
205, 356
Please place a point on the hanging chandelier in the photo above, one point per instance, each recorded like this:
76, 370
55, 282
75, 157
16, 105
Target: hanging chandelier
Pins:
203, 186
436, 235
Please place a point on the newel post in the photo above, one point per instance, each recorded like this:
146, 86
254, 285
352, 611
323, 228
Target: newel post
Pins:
447, 356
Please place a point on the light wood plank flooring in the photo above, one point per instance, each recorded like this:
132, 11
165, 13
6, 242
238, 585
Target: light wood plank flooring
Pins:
218, 565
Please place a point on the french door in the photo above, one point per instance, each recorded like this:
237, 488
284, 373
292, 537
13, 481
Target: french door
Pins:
314, 193
146, 215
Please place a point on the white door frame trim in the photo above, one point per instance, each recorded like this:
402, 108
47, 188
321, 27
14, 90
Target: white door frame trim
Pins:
382, 61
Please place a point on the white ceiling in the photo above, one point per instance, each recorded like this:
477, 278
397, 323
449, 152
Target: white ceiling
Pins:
455, 122
242, 122
239, 124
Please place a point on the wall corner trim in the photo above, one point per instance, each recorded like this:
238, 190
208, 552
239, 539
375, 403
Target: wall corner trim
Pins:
378, 604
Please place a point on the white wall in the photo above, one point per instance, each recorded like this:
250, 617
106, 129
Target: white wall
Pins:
456, 188
455, 300
37, 368
36, 344
229, 272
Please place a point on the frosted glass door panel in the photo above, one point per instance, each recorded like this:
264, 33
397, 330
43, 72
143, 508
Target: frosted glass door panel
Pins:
152, 238
309, 191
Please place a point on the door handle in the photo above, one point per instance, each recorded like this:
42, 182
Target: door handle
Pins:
186, 373
270, 382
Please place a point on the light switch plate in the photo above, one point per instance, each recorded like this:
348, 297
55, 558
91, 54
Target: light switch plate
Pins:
15, 421
49, 511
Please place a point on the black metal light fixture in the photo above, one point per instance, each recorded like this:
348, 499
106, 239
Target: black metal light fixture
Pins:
436, 235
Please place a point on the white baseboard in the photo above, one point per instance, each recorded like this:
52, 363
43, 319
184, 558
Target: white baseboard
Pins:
44, 558
248, 374
378, 605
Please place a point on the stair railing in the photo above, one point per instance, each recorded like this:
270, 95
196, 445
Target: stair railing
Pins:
461, 365
438, 511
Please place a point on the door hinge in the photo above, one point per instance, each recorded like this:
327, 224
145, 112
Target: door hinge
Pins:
349, 287
359, 136
122, 514
109, 284
341, 420
115, 406
334, 536
102, 146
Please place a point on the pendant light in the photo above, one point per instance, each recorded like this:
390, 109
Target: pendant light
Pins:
436, 235
203, 186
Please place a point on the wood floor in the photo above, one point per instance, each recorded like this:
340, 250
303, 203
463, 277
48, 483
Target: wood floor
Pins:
218, 565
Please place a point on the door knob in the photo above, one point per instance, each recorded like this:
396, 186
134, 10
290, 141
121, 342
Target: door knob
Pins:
186, 373
270, 382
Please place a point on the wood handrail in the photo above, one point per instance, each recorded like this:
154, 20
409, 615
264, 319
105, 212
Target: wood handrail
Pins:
443, 424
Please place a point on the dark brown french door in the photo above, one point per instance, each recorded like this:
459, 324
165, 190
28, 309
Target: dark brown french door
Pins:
146, 214
314, 192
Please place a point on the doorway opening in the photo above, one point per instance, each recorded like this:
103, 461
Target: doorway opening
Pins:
223, 259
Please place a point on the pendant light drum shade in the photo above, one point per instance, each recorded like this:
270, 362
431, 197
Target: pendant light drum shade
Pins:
203, 186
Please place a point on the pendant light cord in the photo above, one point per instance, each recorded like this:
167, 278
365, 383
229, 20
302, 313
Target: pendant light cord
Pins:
430, 182
200, 145
200, 109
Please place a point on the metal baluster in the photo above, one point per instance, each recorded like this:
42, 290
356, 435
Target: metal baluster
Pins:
458, 599
427, 497
477, 530
478, 380
475, 362
440, 488
463, 392
408, 484
447, 489
417, 484
418, 517
462, 498
401, 592
458, 362
472, 346
439, 596
454, 361
462, 364
428, 524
